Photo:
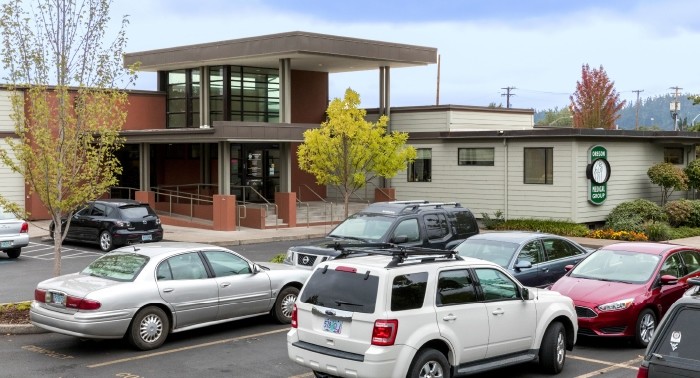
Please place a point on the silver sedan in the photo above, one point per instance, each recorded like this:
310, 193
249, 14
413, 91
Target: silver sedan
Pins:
14, 234
144, 292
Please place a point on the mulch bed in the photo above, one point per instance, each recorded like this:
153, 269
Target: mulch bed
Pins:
11, 315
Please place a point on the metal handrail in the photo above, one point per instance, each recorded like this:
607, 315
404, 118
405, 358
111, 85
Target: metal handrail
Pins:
178, 192
191, 199
325, 203
129, 190
267, 203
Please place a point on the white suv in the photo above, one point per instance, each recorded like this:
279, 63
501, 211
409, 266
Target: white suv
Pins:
424, 313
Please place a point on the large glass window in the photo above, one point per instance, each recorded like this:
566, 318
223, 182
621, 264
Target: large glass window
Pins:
673, 155
421, 170
539, 165
183, 89
254, 94
475, 156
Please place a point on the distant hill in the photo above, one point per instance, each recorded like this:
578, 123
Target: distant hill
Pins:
653, 111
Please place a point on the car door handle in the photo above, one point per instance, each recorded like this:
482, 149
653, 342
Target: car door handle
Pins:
544, 269
168, 290
449, 318
498, 312
225, 284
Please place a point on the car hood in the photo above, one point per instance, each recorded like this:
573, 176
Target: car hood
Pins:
594, 292
76, 284
276, 266
326, 247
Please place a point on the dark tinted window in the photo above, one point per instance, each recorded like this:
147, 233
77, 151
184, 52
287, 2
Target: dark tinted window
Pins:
455, 287
681, 336
341, 290
531, 253
408, 291
436, 225
559, 249
464, 222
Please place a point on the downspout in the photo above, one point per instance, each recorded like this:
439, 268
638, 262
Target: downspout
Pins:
505, 178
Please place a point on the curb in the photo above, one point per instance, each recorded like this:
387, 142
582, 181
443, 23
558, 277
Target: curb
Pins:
20, 329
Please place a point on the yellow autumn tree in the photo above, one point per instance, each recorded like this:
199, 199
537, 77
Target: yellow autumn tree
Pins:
347, 151
63, 77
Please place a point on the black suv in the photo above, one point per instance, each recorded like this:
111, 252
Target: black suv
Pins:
406, 223
675, 349
114, 222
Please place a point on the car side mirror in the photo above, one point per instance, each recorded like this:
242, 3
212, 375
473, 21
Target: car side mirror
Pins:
399, 239
256, 269
668, 279
525, 293
568, 268
521, 264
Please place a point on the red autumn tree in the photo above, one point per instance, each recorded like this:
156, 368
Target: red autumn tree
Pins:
595, 103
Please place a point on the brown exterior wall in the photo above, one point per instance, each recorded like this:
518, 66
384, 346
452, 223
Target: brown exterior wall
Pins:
145, 111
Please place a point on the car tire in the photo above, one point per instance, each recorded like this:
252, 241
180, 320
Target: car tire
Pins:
282, 311
553, 349
14, 253
149, 328
644, 328
429, 363
106, 242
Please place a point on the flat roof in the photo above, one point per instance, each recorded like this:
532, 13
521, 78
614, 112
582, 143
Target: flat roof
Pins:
307, 51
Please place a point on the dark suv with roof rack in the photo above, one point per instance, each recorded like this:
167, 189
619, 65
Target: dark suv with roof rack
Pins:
415, 312
437, 225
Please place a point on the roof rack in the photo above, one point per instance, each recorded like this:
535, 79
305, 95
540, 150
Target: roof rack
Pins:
415, 205
399, 254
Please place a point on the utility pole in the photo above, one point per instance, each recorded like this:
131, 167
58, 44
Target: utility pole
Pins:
508, 94
675, 107
636, 118
437, 96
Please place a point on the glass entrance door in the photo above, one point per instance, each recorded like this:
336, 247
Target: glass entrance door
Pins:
255, 171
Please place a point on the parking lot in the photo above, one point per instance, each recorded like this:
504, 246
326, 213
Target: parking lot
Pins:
253, 347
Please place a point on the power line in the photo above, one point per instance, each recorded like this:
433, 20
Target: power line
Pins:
508, 94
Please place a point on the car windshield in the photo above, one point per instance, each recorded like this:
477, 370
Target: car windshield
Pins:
622, 266
134, 212
496, 251
6, 215
363, 226
118, 266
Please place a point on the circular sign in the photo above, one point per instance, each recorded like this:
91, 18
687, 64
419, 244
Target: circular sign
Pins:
598, 171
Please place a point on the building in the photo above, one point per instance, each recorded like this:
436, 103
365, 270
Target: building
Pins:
227, 117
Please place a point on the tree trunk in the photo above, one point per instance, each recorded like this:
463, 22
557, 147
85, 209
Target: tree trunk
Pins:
58, 236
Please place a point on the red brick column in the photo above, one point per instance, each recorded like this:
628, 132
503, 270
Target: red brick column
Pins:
287, 207
384, 194
224, 212
146, 197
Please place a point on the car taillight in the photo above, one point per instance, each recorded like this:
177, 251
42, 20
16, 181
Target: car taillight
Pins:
295, 324
643, 372
40, 295
157, 220
384, 332
25, 228
82, 303
123, 224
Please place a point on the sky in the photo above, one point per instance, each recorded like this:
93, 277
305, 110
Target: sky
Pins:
536, 46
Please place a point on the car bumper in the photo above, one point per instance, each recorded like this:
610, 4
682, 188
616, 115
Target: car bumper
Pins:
608, 324
124, 237
377, 362
93, 325
13, 241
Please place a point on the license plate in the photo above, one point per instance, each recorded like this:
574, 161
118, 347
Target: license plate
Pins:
4, 244
58, 298
333, 326
146, 237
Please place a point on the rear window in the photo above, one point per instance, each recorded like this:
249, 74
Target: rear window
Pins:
408, 291
341, 290
117, 266
464, 223
681, 336
131, 212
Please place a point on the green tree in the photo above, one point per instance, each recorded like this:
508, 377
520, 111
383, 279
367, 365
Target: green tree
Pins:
692, 171
669, 178
595, 103
347, 151
556, 117
67, 109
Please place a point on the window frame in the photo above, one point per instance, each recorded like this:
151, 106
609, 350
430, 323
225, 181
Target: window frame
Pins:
476, 162
670, 158
548, 166
426, 169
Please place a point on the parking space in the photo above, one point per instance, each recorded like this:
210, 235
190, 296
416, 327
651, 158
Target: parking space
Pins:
44, 251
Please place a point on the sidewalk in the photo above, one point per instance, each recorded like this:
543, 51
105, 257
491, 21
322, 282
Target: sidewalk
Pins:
252, 235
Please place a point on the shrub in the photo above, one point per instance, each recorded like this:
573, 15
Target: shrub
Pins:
617, 235
631, 215
657, 231
678, 212
694, 218
562, 228
279, 258
669, 178
491, 223
693, 173
684, 232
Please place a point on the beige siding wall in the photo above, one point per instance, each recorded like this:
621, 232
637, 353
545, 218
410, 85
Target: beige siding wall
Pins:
420, 121
5, 112
480, 188
11, 183
481, 121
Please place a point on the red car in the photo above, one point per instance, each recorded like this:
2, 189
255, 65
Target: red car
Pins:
624, 289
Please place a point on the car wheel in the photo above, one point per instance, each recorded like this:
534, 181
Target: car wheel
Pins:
285, 304
14, 253
322, 375
646, 325
429, 363
553, 349
106, 242
149, 328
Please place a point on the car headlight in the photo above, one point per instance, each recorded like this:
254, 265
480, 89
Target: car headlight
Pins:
622, 304
289, 259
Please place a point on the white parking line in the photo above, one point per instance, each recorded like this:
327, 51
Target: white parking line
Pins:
631, 364
40, 251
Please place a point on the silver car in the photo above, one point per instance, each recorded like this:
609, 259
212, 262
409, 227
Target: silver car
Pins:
144, 292
14, 234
